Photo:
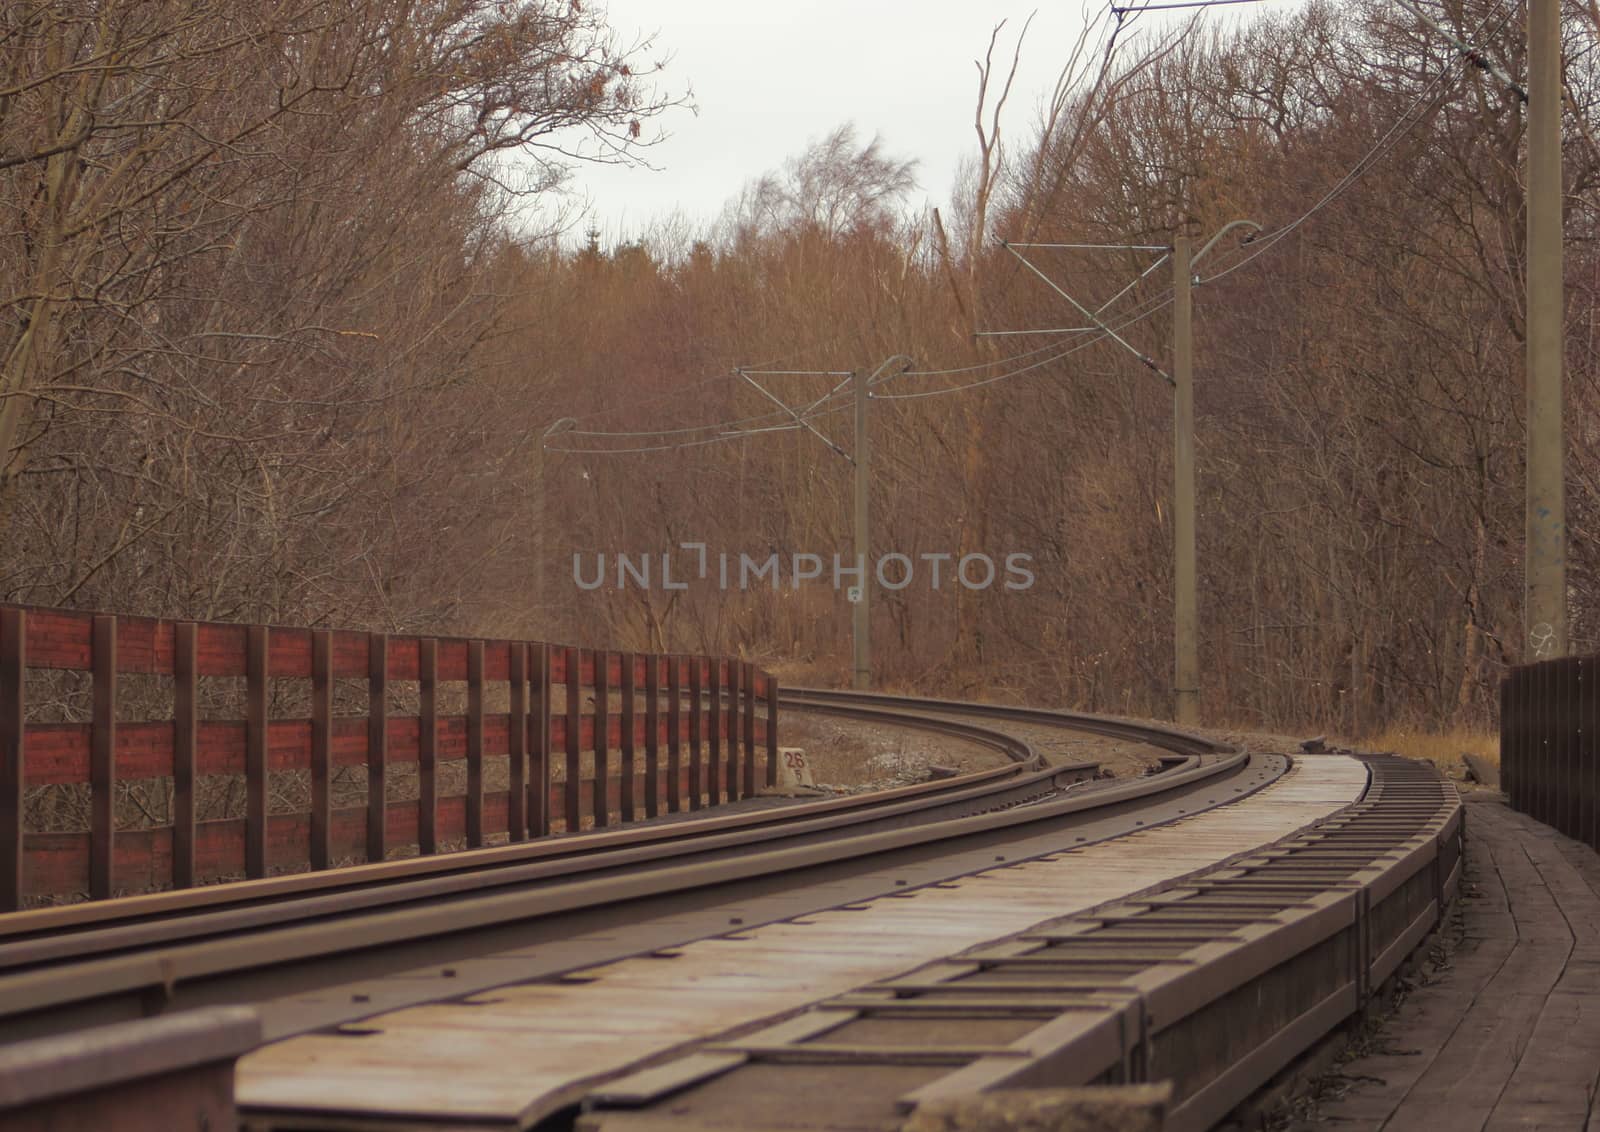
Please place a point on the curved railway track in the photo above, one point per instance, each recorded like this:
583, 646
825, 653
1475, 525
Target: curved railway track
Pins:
1178, 743
1212, 972
63, 968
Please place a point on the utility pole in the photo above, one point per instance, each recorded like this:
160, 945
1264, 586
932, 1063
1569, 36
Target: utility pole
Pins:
1545, 568
1185, 601
541, 596
861, 622
860, 619
1185, 629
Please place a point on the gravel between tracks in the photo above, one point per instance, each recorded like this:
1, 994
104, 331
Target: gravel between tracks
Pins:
851, 757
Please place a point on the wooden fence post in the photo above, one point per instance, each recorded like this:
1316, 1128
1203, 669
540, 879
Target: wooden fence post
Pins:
626, 692
517, 744
321, 747
714, 727
772, 730
574, 795
428, 745
733, 730
185, 732
748, 680
474, 744
652, 736
13, 723
257, 689
377, 744
102, 761
696, 711
674, 735
602, 722
539, 776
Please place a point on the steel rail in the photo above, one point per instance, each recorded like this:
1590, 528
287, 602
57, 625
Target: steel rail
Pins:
56, 922
354, 895
454, 897
1025, 772
1178, 742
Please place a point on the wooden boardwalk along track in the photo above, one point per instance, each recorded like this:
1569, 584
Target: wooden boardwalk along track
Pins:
822, 969
1504, 1035
510, 1056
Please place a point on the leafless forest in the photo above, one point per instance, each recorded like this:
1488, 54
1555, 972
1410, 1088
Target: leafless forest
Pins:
286, 318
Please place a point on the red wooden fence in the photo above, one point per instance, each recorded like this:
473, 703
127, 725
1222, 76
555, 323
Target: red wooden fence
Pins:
649, 755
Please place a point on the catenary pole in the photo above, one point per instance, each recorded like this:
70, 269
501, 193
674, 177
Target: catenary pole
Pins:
861, 621
860, 616
1545, 567
1185, 634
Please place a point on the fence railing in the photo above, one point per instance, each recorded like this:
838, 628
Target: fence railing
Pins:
288, 753
1550, 744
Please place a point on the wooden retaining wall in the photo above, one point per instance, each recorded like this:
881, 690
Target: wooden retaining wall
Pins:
661, 733
1550, 744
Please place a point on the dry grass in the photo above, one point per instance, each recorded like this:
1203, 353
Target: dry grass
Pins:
1442, 748
845, 753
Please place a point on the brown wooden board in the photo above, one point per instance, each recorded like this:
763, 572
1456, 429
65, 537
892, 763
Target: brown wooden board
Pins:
56, 753
56, 864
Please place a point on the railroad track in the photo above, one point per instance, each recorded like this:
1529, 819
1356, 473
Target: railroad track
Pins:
551, 926
1177, 743
64, 968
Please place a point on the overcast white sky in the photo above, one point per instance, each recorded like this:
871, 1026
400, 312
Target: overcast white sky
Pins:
770, 77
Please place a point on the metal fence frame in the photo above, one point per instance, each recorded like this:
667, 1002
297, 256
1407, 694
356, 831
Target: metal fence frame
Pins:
1549, 757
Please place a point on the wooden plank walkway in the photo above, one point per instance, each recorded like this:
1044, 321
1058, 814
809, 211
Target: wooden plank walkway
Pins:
510, 1054
1509, 1035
